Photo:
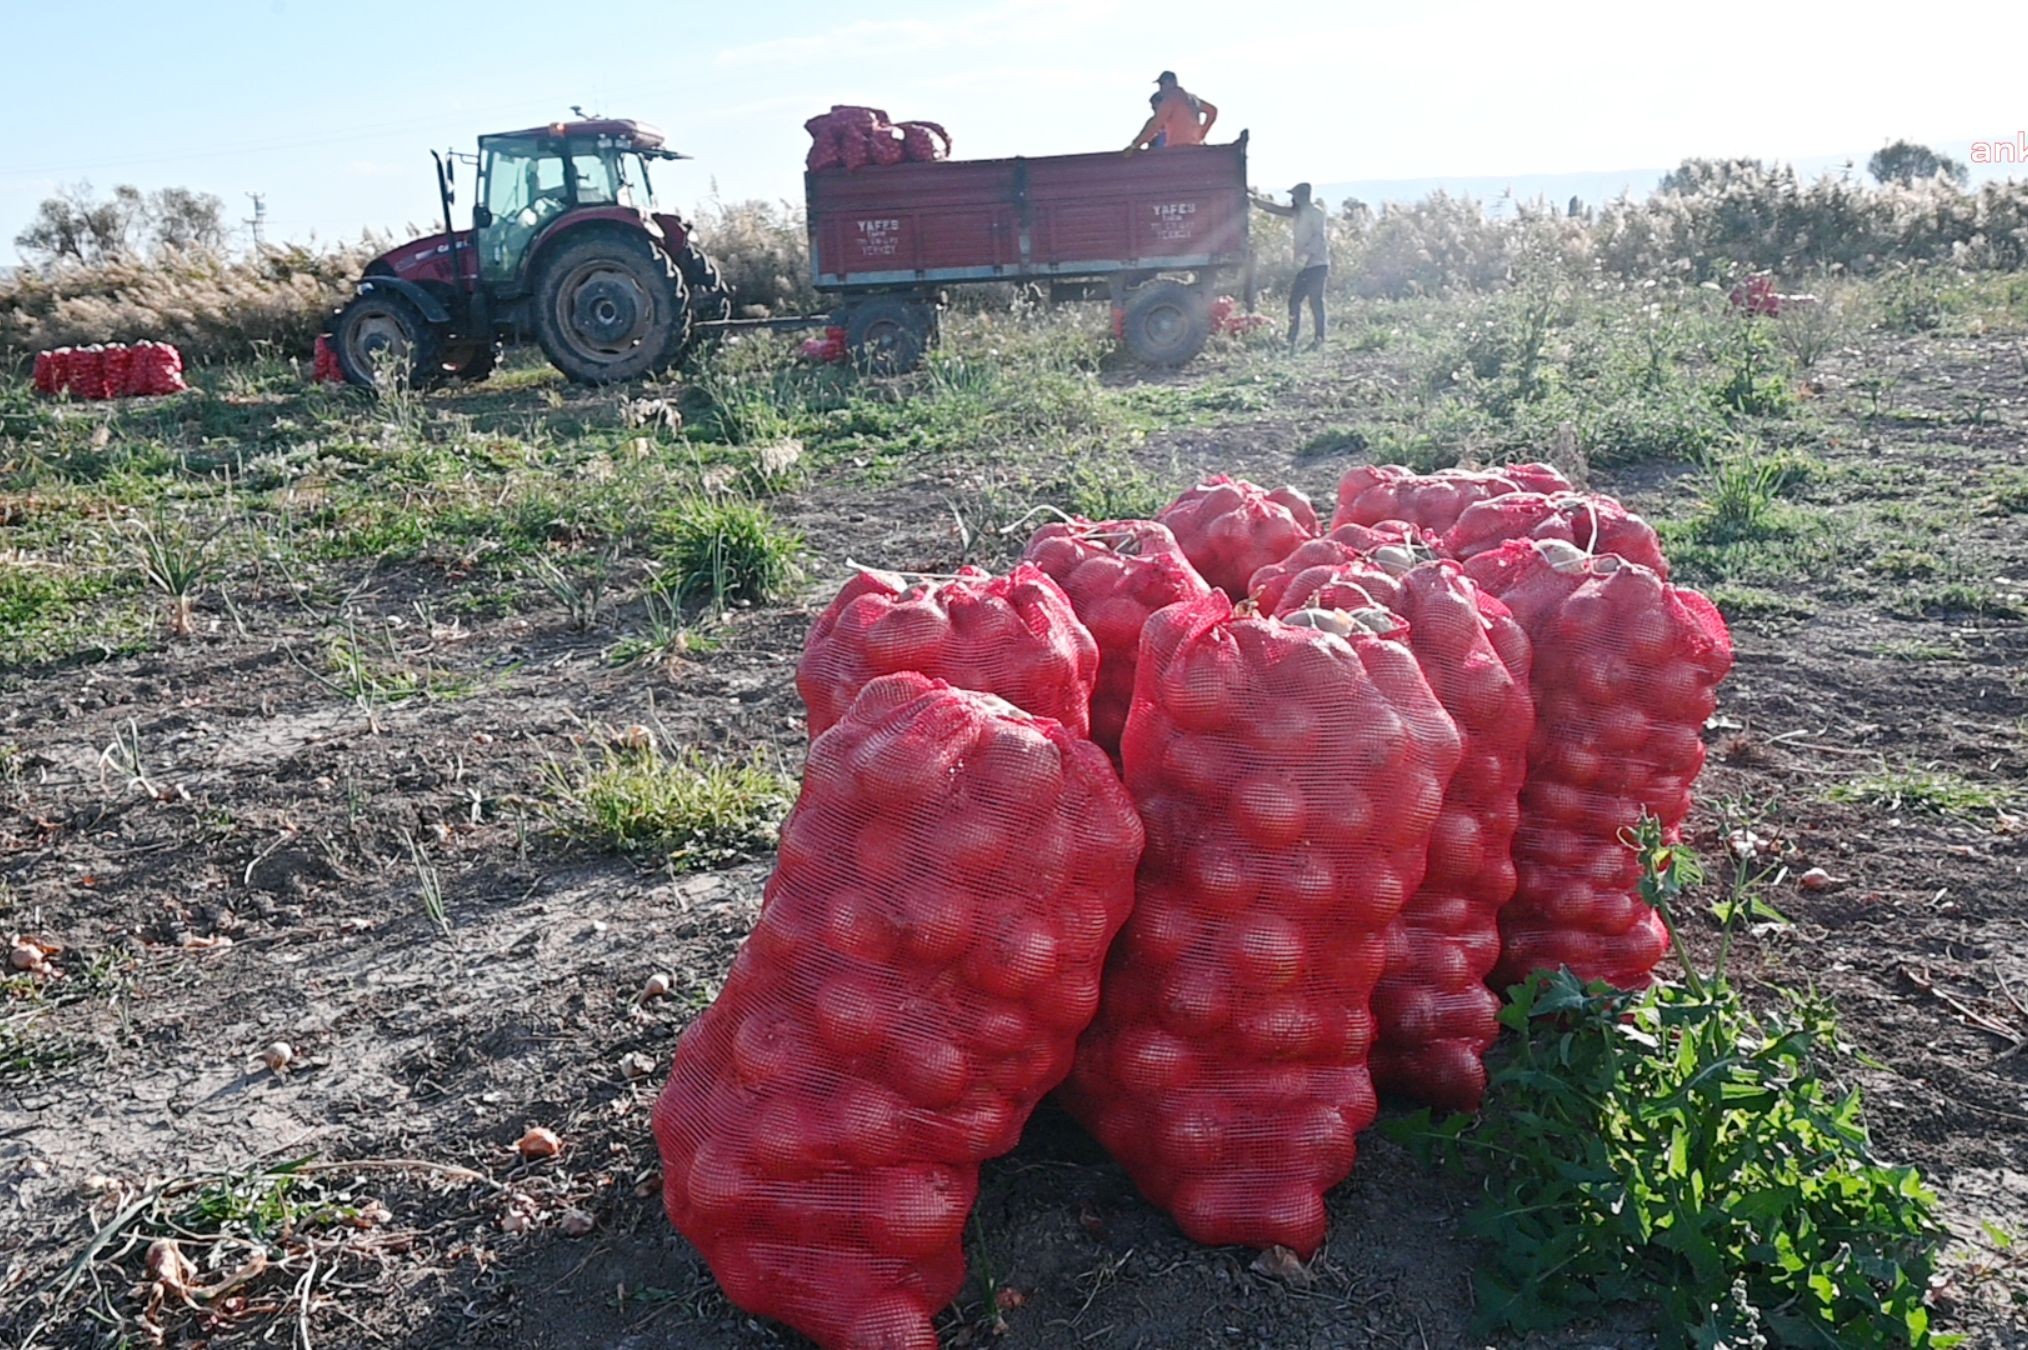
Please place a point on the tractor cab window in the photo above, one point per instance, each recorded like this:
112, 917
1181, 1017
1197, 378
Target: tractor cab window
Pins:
519, 177
634, 182
524, 190
597, 184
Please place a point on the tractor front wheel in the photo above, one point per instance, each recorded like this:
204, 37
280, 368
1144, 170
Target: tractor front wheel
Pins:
610, 307
381, 338
710, 302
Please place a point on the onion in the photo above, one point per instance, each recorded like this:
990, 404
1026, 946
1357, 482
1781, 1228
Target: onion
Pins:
169, 1266
278, 1055
658, 986
538, 1142
576, 1223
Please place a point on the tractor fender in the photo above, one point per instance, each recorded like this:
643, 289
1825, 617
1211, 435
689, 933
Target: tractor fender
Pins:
599, 218
431, 307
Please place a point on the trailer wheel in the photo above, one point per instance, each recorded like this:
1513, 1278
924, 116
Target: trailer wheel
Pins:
888, 335
1166, 323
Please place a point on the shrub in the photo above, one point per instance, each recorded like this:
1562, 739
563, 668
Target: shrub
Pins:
1676, 1148
212, 306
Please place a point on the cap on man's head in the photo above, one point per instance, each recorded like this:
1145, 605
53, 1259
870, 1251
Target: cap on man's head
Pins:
1300, 190
1166, 77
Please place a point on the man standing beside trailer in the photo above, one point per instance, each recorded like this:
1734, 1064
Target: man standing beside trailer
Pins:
1312, 239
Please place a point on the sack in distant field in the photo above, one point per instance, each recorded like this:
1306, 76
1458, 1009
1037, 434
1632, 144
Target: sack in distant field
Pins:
928, 949
1594, 523
1289, 778
1374, 492
1230, 529
1626, 669
1116, 574
1015, 636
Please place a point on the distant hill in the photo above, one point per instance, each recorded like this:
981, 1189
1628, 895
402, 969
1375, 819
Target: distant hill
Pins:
1596, 188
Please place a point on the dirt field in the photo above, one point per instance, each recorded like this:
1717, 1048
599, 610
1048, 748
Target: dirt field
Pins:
337, 812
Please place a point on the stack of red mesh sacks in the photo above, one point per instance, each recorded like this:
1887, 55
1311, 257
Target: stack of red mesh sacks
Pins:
1625, 674
143, 370
1289, 777
928, 949
1229, 528
850, 137
1015, 636
1116, 574
1434, 1016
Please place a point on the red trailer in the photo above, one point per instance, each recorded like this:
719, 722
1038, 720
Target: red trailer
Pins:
1156, 233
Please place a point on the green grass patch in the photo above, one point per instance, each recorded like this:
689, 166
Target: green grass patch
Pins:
1936, 792
692, 810
721, 551
1742, 603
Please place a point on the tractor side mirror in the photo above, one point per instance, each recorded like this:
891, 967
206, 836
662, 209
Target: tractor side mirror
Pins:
481, 217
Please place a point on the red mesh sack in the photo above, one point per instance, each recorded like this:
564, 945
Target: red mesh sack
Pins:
324, 368
1625, 674
1015, 636
1434, 501
1230, 529
1116, 573
1596, 524
1288, 778
924, 142
1433, 1014
885, 146
855, 146
928, 949
85, 373
45, 372
116, 372
156, 368
1347, 543
824, 151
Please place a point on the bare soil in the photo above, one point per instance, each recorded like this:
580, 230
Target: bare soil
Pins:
254, 879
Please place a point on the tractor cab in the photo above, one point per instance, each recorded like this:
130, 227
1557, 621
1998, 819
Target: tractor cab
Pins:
530, 179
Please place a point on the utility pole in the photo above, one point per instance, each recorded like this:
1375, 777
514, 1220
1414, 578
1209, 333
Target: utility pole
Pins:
258, 218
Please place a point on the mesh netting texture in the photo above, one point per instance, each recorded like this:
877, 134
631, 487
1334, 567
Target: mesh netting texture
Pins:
1230, 528
1370, 493
1116, 573
1289, 778
1595, 524
1014, 635
1626, 670
928, 949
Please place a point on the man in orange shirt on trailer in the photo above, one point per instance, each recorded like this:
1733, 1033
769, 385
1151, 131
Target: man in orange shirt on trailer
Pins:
1181, 118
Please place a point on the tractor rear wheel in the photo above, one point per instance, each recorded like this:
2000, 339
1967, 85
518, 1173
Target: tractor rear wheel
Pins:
382, 338
710, 302
610, 306
1166, 323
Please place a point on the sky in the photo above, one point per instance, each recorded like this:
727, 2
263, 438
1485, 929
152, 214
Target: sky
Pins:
329, 109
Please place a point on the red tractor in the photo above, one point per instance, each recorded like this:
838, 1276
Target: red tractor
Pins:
566, 244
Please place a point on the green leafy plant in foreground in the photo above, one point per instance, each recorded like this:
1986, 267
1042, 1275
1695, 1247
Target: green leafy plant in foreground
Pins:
1675, 1148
